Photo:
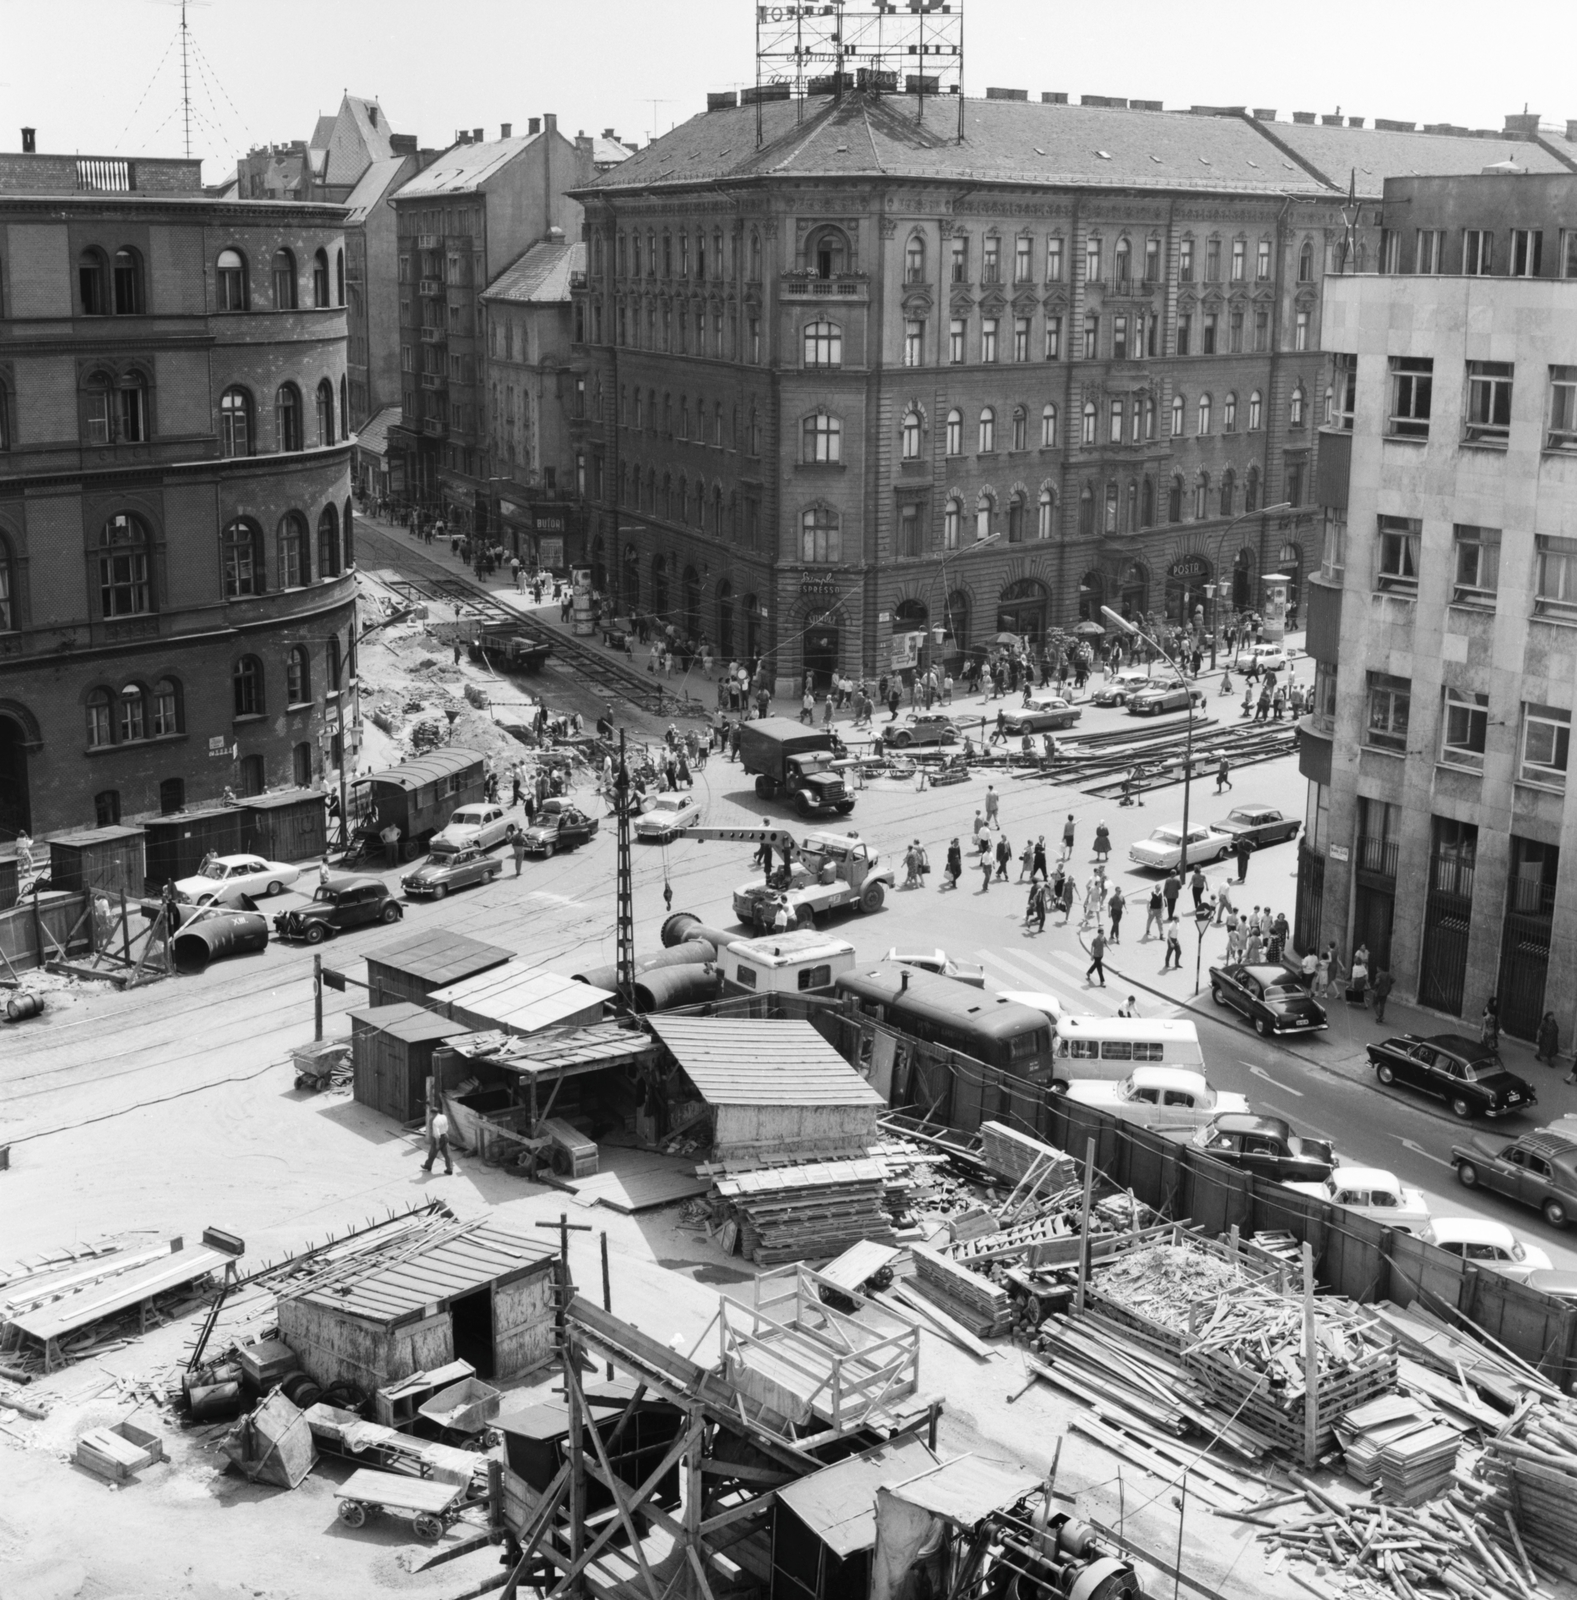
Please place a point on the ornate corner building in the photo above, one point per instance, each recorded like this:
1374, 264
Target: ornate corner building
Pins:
177, 592
864, 367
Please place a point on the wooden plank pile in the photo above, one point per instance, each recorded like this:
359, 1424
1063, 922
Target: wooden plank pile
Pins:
1525, 1483
1457, 1355
1402, 1444
805, 1212
970, 1298
1014, 1155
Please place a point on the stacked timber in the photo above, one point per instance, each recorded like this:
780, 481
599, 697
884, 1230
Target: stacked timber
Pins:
805, 1212
1525, 1484
1014, 1155
985, 1308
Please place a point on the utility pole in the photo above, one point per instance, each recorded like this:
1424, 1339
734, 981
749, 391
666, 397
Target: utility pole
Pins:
624, 910
186, 91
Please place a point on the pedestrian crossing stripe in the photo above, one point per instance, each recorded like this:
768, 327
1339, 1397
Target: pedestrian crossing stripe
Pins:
1065, 979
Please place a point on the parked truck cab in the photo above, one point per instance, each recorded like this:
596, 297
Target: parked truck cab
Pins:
798, 763
801, 961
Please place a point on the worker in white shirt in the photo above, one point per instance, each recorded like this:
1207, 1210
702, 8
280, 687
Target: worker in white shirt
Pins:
438, 1143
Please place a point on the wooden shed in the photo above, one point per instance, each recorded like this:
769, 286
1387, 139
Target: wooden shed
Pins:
474, 1290
10, 879
771, 1085
176, 844
392, 1049
520, 999
110, 860
413, 967
290, 825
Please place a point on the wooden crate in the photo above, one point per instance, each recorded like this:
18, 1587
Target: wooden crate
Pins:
118, 1451
567, 1137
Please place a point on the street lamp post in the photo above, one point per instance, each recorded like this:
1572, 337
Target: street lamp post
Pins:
1215, 599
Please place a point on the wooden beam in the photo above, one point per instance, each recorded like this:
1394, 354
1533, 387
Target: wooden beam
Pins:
750, 1508
615, 1488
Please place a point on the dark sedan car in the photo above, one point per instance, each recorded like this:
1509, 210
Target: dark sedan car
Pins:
451, 867
1467, 1075
1539, 1169
1271, 997
1260, 825
1267, 1147
920, 727
561, 826
1164, 697
341, 903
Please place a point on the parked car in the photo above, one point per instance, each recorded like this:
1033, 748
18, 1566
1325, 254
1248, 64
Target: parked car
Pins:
1051, 1006
920, 727
1164, 848
1269, 996
343, 902
1169, 1099
1267, 1147
1491, 1245
1467, 1075
225, 877
1260, 825
666, 814
561, 826
939, 961
450, 866
483, 824
1271, 657
1120, 688
1163, 697
1042, 713
1563, 1285
1539, 1169
1373, 1193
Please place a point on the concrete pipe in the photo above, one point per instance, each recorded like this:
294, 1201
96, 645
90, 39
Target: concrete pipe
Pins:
684, 925
669, 987
215, 937
692, 953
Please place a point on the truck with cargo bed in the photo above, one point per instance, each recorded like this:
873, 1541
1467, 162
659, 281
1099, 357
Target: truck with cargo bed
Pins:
801, 764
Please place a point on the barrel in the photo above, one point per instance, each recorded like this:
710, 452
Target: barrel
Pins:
684, 925
21, 1006
668, 987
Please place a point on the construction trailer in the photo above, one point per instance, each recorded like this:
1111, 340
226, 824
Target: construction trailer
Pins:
412, 967
392, 1053
418, 796
288, 825
472, 1291
521, 999
769, 1086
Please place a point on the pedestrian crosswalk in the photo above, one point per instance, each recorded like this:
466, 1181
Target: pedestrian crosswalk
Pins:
1062, 973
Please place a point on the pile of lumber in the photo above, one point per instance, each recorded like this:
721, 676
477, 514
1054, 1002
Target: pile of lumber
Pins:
805, 1212
1526, 1483
1402, 1444
1161, 1286
985, 1308
1016, 1156
1453, 1351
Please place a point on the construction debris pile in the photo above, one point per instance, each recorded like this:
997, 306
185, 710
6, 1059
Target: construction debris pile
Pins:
1525, 1486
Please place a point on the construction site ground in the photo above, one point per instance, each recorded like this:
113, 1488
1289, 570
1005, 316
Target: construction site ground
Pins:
169, 1108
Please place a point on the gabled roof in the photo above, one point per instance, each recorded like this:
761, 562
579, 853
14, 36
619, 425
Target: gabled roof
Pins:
541, 275
322, 133
374, 432
607, 152
371, 187
736, 1061
360, 135
467, 167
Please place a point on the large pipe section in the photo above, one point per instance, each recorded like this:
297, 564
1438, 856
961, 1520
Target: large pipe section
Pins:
692, 953
215, 936
684, 925
664, 988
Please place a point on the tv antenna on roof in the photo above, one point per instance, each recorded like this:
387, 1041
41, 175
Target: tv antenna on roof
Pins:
197, 74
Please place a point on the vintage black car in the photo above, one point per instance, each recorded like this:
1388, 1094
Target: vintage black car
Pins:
1260, 825
1267, 1147
1270, 996
341, 903
561, 826
1467, 1075
1539, 1169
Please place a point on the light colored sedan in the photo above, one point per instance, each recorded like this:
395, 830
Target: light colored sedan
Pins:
1372, 1192
1163, 850
1168, 1099
1044, 713
1491, 1245
939, 962
224, 878
483, 824
1119, 689
666, 814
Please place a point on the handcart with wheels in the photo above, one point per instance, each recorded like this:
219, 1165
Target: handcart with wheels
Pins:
430, 1505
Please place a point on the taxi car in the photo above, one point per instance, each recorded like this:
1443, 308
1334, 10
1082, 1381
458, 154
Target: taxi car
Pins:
1269, 996
1538, 1169
1467, 1075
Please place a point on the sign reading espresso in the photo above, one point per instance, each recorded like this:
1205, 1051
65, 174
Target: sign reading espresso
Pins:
825, 587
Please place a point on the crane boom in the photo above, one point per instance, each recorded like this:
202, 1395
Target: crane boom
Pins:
777, 837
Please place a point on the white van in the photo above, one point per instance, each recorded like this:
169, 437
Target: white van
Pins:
800, 961
1110, 1048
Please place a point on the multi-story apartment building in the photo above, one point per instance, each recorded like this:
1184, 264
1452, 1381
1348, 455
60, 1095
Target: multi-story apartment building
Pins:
857, 377
177, 604
474, 211
538, 404
1443, 619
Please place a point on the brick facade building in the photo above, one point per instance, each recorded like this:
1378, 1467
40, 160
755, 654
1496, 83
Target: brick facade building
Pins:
176, 589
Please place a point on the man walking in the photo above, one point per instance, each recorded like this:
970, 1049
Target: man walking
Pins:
1038, 870
1223, 778
1067, 838
1116, 906
517, 846
1198, 886
1004, 858
1170, 890
1174, 947
1153, 914
1244, 850
1097, 956
438, 1144
993, 800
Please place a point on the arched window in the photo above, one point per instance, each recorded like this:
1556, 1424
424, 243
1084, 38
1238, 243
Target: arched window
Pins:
1114, 422
100, 720
1229, 412
1256, 408
1251, 490
1147, 503
823, 437
1048, 426
339, 273
1204, 414
92, 291
125, 589
332, 662
910, 435
1087, 432
955, 433
242, 560
1178, 407
133, 713
5, 427
230, 272
755, 257
166, 708
1020, 428
827, 253
668, 496
952, 524
287, 417
8, 618
1109, 519
985, 515
284, 281
1295, 407
246, 684
1149, 417
684, 498
235, 422
320, 279
344, 409
914, 260
1228, 492
128, 283
1016, 509
1087, 511
1120, 264
295, 555
821, 539
1047, 514
325, 411
823, 344
1306, 263
298, 676
1202, 495
1174, 498
988, 430
328, 543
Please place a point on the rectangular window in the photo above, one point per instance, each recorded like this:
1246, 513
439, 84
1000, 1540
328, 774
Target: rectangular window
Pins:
1476, 553
908, 529
1239, 260
1119, 338
1235, 333
991, 262
1300, 331
1261, 331
1412, 380
960, 261
1053, 338
1428, 250
1185, 333
988, 339
1562, 433
755, 341
1390, 700
1527, 252
913, 343
1464, 728
1390, 250
1333, 554
1054, 259
1488, 402
1021, 338
1398, 554
1213, 261
1152, 261
1569, 253
1022, 261
1092, 336
1556, 594
1344, 392
1092, 260
1152, 336
1207, 344
955, 341
1114, 431
1262, 260
98, 416
1185, 261
1546, 745
1478, 252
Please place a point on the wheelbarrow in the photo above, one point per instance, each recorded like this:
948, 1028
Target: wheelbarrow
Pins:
317, 1063
431, 1506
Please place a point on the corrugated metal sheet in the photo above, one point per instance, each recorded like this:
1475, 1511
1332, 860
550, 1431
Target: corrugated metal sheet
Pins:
439, 956
410, 1023
838, 1504
386, 1292
967, 1489
583, 1050
745, 1062
521, 999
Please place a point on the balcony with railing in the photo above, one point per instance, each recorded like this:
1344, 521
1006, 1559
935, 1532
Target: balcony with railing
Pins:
1377, 854
431, 286
807, 286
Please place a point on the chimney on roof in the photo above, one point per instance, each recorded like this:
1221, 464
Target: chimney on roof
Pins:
608, 133
1355, 122
1390, 125
1330, 121
372, 115
550, 122
1571, 132
1053, 97
30, 141
1264, 114
506, 130
402, 144
533, 125
476, 135
1007, 94
1305, 118
556, 232
722, 100
1526, 124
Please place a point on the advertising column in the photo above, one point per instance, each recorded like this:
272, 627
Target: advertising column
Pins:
1273, 606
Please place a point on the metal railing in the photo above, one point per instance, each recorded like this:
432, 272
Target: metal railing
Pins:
1378, 854
106, 174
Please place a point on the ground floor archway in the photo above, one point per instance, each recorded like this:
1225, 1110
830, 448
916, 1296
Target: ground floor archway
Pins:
1186, 578
1022, 609
1290, 564
630, 584
15, 802
820, 652
1135, 595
